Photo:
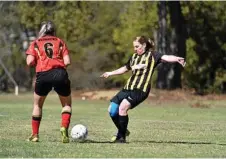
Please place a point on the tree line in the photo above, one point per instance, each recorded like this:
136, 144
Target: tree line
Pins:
99, 36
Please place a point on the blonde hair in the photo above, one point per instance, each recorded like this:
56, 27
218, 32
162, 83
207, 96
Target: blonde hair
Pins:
42, 30
47, 28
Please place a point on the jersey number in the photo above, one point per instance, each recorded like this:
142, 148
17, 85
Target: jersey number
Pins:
48, 49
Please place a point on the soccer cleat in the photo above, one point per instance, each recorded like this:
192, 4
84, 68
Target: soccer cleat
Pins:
116, 137
64, 134
127, 132
33, 138
118, 140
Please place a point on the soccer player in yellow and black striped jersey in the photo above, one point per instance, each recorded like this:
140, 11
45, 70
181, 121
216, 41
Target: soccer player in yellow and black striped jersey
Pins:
142, 63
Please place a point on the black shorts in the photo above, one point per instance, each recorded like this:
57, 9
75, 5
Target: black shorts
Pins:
135, 97
56, 78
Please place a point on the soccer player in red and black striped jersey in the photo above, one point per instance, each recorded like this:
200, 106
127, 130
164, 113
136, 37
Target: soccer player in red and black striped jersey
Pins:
142, 63
50, 56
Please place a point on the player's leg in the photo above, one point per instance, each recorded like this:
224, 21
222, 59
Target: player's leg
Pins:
42, 88
36, 116
123, 119
113, 112
63, 88
133, 99
66, 110
113, 108
65, 117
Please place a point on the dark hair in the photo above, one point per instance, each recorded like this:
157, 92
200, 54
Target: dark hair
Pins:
47, 28
149, 43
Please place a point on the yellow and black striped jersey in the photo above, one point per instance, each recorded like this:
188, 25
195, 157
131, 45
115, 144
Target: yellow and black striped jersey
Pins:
141, 78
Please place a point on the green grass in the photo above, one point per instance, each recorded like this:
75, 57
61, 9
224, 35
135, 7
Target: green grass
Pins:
164, 130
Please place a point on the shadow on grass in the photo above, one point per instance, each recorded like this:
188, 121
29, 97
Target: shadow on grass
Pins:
182, 142
101, 142
153, 141
93, 141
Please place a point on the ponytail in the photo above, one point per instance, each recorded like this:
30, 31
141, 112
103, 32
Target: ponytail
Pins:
47, 28
42, 30
151, 43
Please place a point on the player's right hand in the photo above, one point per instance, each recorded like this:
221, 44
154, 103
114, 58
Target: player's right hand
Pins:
106, 74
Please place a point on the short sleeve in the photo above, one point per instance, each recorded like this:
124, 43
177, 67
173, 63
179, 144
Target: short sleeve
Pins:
128, 63
31, 49
157, 56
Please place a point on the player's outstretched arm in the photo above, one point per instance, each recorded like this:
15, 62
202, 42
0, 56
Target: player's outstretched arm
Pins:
172, 58
119, 71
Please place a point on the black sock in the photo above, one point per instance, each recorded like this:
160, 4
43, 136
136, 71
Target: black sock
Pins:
123, 121
115, 119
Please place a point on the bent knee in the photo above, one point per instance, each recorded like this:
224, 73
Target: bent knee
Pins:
122, 109
113, 109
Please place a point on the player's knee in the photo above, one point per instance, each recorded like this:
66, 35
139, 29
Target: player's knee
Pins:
113, 111
123, 108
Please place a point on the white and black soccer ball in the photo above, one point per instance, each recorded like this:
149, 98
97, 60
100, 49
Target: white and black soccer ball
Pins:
79, 132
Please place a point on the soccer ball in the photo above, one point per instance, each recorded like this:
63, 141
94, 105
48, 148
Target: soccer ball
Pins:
79, 132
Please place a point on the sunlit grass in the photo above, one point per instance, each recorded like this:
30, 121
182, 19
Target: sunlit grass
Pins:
166, 130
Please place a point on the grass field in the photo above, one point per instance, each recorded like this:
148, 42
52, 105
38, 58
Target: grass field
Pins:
157, 130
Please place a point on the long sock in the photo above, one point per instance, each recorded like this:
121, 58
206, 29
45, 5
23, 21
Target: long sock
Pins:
36, 120
123, 121
115, 119
66, 118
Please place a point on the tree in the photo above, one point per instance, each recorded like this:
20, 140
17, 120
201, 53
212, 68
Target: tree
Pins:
87, 29
136, 19
11, 56
169, 75
162, 44
206, 62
